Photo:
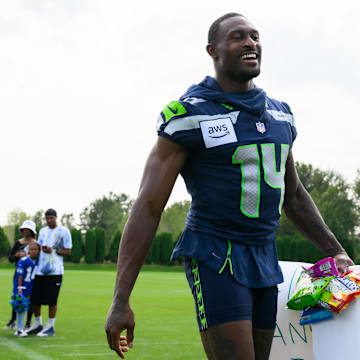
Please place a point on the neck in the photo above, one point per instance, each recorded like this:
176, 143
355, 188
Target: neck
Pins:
229, 85
28, 238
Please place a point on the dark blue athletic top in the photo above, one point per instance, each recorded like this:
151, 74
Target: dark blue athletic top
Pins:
238, 145
26, 268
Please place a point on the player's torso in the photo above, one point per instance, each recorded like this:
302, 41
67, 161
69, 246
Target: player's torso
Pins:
236, 166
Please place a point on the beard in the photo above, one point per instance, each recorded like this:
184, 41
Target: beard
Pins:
243, 75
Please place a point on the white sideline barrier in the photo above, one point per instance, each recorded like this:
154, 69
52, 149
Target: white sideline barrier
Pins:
291, 341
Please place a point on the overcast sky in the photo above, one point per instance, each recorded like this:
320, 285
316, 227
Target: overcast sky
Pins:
82, 83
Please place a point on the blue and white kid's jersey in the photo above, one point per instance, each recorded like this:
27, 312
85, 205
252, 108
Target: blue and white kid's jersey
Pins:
238, 145
25, 267
56, 238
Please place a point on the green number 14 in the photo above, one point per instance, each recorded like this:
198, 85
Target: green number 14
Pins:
248, 158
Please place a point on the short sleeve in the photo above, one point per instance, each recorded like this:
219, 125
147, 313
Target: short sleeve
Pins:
40, 237
177, 124
20, 267
67, 238
291, 122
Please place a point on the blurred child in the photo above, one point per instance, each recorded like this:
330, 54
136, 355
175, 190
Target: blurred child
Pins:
23, 282
19, 250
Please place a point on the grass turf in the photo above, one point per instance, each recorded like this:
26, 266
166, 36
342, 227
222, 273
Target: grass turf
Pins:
165, 318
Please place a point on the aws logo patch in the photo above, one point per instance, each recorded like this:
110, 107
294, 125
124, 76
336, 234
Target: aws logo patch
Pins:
217, 132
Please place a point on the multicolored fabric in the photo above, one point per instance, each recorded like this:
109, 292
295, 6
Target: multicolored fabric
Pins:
57, 238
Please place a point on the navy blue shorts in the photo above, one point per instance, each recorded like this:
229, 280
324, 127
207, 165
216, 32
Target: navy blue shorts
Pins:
219, 298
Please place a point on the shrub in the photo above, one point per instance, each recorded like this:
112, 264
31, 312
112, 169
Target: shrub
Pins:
114, 247
76, 251
90, 246
4, 243
100, 245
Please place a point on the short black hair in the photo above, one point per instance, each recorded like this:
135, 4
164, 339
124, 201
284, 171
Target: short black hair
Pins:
50, 212
214, 28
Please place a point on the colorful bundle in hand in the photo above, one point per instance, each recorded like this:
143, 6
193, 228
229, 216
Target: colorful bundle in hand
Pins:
320, 290
19, 303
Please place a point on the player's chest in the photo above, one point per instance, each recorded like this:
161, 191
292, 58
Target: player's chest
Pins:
49, 238
221, 138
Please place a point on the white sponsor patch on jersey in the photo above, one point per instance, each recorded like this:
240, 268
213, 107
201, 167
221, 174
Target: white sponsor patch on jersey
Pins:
217, 132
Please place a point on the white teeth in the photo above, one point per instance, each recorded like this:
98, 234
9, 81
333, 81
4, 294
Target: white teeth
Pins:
249, 56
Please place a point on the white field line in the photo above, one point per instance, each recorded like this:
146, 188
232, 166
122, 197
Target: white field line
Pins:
135, 344
23, 351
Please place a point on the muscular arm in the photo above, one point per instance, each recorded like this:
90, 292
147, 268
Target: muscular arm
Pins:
161, 170
302, 211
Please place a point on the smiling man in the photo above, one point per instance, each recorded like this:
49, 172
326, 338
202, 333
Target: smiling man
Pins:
232, 144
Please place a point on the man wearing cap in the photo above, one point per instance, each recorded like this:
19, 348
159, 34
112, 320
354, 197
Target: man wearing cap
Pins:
55, 242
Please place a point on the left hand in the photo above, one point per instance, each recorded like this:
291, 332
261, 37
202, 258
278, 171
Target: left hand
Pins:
342, 262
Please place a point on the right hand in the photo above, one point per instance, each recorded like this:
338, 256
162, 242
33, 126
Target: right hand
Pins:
120, 317
20, 254
46, 249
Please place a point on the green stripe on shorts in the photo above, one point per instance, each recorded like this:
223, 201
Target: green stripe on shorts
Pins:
199, 295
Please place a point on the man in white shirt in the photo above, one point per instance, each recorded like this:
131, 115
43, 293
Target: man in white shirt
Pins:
55, 242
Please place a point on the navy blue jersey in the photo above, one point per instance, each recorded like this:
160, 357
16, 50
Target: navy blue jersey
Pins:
238, 145
26, 268
236, 164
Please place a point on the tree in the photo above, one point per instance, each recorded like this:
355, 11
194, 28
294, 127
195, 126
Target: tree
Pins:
68, 220
165, 248
333, 196
39, 219
100, 245
4, 243
76, 251
90, 246
17, 233
17, 217
114, 247
106, 212
173, 218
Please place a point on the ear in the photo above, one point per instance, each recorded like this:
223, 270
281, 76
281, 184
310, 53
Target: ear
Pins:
212, 51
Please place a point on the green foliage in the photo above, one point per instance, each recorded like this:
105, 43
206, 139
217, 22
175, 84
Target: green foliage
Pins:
100, 245
166, 247
76, 251
17, 233
16, 217
106, 212
90, 246
161, 249
154, 254
173, 218
39, 219
333, 197
114, 247
68, 220
4, 243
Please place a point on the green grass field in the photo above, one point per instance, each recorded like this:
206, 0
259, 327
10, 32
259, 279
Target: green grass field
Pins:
165, 318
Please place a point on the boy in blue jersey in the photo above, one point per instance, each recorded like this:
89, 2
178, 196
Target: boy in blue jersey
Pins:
23, 282
232, 144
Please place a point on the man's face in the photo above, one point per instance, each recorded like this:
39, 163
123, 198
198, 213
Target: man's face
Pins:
51, 221
238, 50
